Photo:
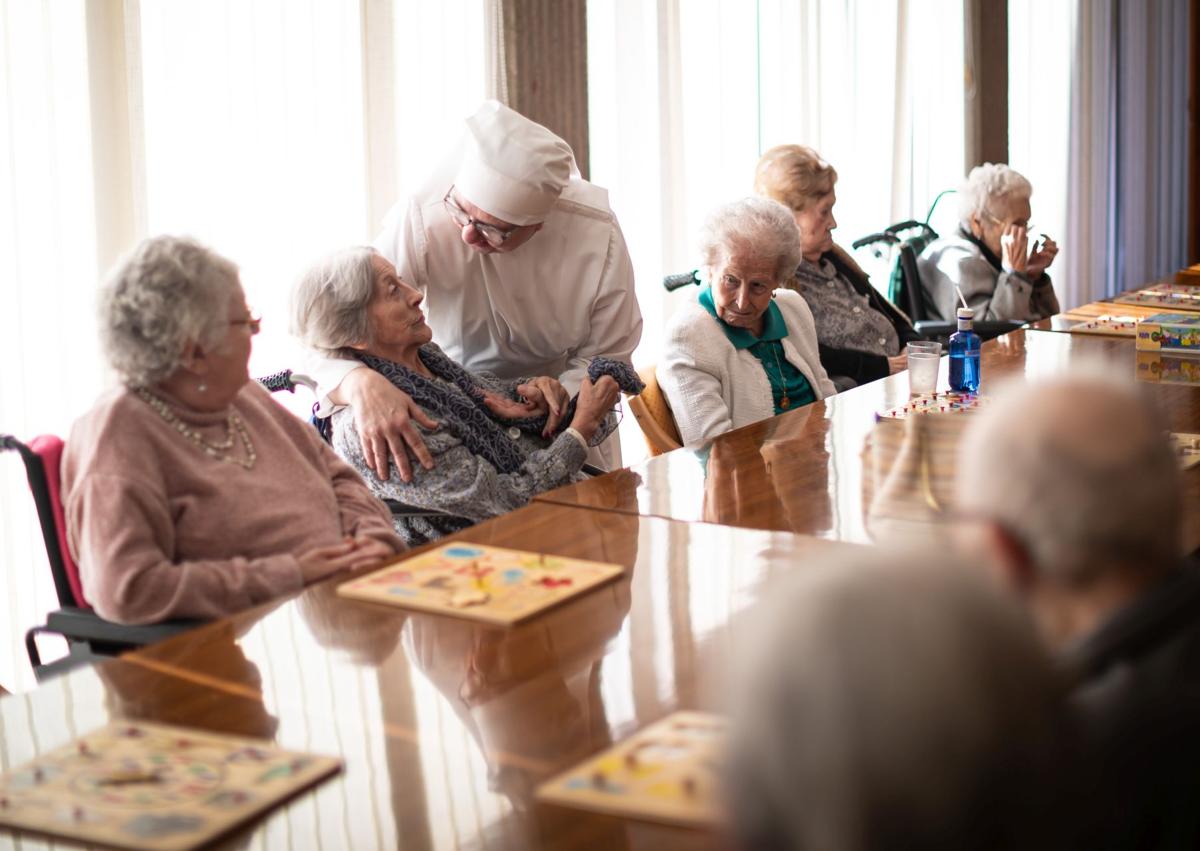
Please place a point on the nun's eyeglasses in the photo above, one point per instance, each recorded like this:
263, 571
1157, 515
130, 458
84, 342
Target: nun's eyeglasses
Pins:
492, 235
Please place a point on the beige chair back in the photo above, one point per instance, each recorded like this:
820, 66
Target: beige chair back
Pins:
654, 415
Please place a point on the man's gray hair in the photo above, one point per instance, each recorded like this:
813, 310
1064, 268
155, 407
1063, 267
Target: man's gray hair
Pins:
329, 301
1081, 471
893, 699
167, 292
752, 228
985, 186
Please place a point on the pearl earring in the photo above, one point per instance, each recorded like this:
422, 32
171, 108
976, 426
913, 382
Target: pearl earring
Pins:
201, 387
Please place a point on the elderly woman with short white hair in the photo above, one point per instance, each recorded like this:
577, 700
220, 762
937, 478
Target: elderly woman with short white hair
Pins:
496, 444
1001, 272
188, 492
744, 350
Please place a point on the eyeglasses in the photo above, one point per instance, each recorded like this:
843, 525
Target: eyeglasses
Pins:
1030, 227
254, 323
492, 235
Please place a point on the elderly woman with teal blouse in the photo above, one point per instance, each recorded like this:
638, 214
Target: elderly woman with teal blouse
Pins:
744, 350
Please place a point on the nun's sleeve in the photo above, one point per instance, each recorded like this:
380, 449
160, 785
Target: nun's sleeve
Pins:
615, 318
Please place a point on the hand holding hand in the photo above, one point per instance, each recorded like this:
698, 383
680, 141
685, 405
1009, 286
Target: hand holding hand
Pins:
1041, 257
384, 417
1014, 248
506, 408
549, 397
594, 402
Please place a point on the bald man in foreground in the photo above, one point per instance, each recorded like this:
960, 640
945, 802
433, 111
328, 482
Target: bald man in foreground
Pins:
1077, 495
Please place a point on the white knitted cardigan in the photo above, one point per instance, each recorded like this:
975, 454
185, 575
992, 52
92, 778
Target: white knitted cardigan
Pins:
713, 387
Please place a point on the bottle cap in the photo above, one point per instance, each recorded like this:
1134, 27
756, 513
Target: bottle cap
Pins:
966, 313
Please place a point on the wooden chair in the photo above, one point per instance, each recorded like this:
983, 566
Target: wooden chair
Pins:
654, 415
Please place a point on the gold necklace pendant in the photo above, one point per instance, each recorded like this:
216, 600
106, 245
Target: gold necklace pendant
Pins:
784, 403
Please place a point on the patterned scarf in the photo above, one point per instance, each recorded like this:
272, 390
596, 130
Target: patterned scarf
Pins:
465, 413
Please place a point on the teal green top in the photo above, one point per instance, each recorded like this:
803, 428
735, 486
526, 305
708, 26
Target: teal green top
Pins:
785, 379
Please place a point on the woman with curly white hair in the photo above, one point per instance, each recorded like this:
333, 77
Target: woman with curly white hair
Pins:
1001, 272
743, 350
188, 492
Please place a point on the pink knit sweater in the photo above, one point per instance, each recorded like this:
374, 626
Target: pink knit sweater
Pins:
160, 530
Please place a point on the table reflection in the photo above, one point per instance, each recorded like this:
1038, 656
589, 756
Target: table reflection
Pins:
804, 472
447, 726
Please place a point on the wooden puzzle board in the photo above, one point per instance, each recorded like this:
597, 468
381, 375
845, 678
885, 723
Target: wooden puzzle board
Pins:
667, 772
936, 403
1169, 296
480, 582
1187, 447
1107, 324
149, 786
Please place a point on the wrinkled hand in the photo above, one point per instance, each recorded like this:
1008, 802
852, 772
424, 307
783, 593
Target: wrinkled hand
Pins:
594, 403
549, 397
384, 417
1014, 248
898, 363
506, 408
351, 554
1041, 257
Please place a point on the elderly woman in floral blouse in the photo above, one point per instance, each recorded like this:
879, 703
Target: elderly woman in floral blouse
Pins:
862, 335
744, 350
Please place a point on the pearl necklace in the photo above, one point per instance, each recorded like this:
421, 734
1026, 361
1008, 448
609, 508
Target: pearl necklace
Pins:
218, 450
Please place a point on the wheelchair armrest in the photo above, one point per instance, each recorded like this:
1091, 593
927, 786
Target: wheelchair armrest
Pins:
934, 328
987, 329
400, 509
82, 625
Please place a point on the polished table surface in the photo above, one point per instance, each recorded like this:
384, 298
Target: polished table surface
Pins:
803, 471
447, 726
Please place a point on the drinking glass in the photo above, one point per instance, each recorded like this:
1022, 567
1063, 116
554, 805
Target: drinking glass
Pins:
922, 372
925, 346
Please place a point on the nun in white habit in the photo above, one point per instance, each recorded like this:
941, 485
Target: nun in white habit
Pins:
524, 269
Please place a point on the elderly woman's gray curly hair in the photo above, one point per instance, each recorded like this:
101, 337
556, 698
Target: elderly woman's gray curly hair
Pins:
167, 292
987, 184
329, 301
751, 229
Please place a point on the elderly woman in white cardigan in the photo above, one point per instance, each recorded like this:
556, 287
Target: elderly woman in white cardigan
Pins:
743, 350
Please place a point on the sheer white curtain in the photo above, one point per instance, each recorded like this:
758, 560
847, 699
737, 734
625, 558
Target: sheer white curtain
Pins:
1128, 135
48, 354
685, 96
273, 130
1041, 43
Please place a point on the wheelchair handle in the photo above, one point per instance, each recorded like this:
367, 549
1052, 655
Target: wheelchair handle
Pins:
674, 282
872, 238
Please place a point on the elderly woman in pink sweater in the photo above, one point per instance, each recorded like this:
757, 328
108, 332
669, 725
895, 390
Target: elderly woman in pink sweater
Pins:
189, 493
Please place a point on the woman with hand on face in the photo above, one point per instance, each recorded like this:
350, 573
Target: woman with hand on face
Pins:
188, 492
862, 335
1000, 269
494, 444
744, 350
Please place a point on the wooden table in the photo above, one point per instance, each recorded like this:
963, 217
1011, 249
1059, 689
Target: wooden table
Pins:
1085, 312
446, 726
803, 471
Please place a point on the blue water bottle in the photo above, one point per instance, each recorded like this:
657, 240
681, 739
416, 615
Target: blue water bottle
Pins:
964, 354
